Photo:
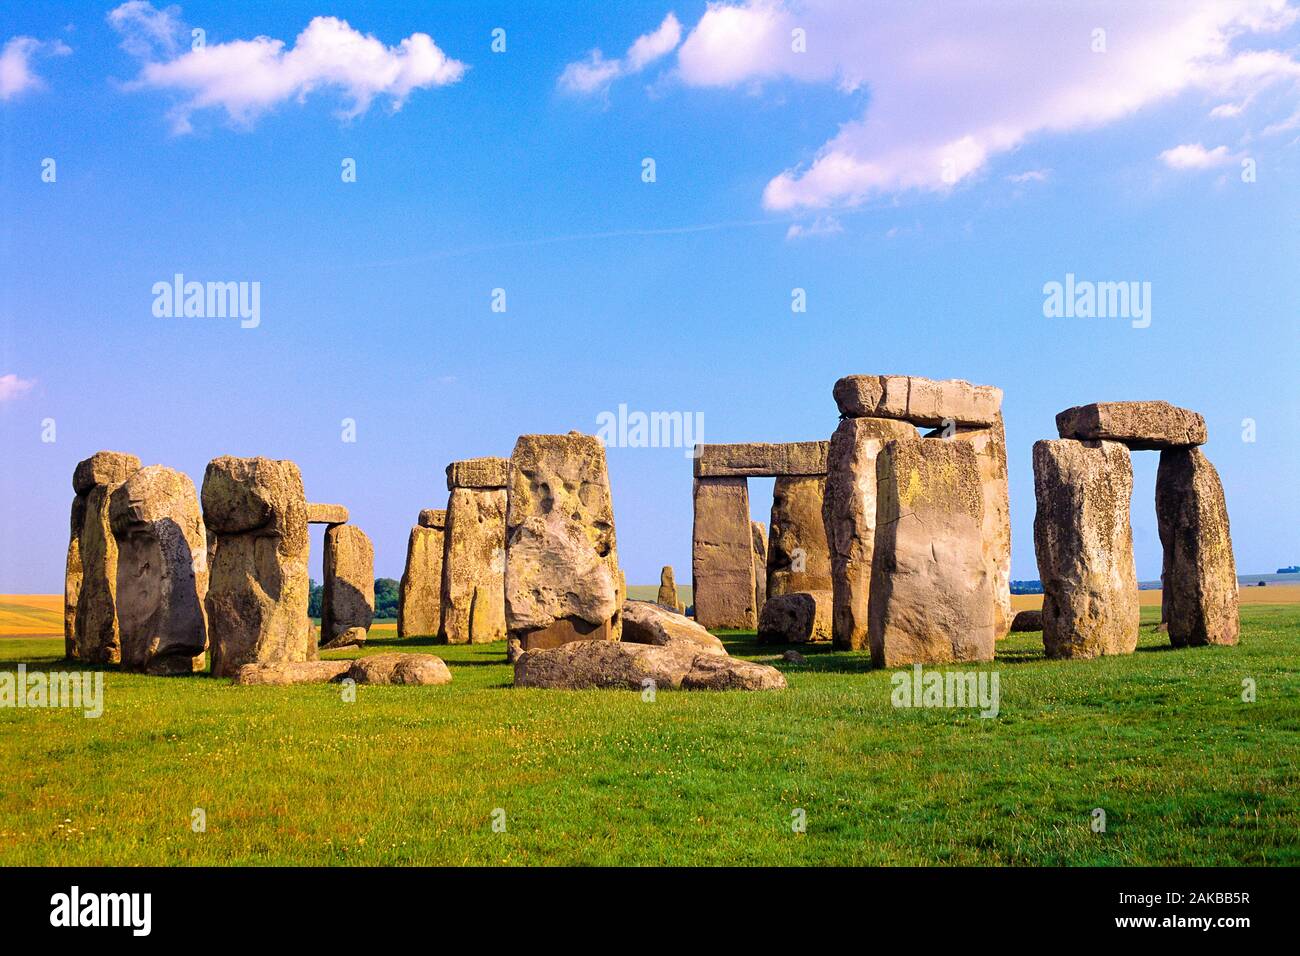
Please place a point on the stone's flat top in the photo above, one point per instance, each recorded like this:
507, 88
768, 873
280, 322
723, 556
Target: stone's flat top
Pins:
103, 468
1140, 425
761, 459
433, 518
921, 401
478, 473
326, 514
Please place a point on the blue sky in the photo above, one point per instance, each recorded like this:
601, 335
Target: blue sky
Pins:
920, 177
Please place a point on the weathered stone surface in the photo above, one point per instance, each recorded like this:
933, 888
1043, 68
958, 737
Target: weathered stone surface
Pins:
433, 518
348, 590
258, 587
1200, 573
326, 514
585, 665
796, 618
990, 446
90, 622
849, 516
722, 555
921, 401
1139, 425
352, 637
162, 572
473, 569
283, 673
1029, 620
478, 473
761, 459
72, 578
798, 557
668, 589
759, 532
419, 598
646, 623
931, 598
1084, 545
399, 669
562, 570
103, 468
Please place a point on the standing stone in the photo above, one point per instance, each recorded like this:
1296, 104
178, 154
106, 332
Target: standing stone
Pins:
258, 588
667, 589
562, 579
849, 515
95, 624
759, 532
990, 446
348, 592
419, 600
798, 557
72, 579
1084, 545
162, 572
931, 599
1200, 574
473, 567
722, 555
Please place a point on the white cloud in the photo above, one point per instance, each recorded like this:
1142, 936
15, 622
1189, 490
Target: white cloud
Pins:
1196, 156
16, 74
11, 386
147, 31
247, 78
951, 87
1029, 176
596, 73
821, 226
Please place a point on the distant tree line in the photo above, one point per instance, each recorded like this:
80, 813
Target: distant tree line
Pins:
386, 595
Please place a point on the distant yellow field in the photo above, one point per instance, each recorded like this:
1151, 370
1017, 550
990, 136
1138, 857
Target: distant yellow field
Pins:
31, 614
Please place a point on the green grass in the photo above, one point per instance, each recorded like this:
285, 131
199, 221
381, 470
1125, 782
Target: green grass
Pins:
1186, 772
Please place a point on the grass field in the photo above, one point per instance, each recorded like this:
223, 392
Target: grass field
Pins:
1161, 740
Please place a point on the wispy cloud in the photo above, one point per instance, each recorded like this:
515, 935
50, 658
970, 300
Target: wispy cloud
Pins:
247, 78
1196, 156
821, 226
596, 73
16, 73
11, 386
1029, 176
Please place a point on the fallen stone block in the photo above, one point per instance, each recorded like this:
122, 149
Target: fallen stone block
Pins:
399, 669
284, 673
646, 623
800, 617
586, 665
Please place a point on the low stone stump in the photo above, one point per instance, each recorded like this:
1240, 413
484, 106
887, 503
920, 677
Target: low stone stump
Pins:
667, 595
931, 595
1199, 577
588, 665
162, 572
1030, 620
1084, 544
284, 673
646, 623
798, 618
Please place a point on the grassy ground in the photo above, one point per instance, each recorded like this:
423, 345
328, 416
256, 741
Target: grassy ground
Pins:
1161, 740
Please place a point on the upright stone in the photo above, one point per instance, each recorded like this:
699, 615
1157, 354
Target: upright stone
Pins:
722, 555
419, 600
849, 515
667, 589
72, 578
798, 557
562, 579
759, 532
931, 600
990, 446
1200, 574
258, 588
1084, 545
348, 591
95, 624
162, 572
473, 566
